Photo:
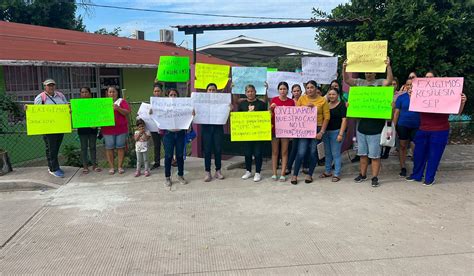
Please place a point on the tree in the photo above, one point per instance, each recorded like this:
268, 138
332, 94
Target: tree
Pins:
421, 34
49, 13
103, 31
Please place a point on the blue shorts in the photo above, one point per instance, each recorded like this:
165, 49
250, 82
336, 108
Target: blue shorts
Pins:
369, 145
115, 141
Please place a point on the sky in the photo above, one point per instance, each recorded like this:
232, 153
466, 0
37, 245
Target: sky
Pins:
151, 23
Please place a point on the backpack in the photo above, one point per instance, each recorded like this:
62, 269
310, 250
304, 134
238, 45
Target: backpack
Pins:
61, 95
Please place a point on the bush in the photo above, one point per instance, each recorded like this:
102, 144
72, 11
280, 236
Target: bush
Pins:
72, 155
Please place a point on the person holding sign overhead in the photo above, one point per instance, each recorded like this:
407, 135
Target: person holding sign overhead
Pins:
430, 141
252, 148
115, 137
369, 130
52, 141
312, 98
281, 100
212, 136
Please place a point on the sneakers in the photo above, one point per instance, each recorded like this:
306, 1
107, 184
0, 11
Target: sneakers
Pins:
57, 173
181, 180
137, 173
360, 178
403, 172
257, 177
375, 181
168, 182
247, 175
208, 177
410, 178
428, 183
219, 175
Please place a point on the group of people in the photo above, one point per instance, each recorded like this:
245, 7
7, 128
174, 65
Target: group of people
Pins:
425, 133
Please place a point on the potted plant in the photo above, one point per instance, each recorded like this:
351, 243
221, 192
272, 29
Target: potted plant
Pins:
8, 108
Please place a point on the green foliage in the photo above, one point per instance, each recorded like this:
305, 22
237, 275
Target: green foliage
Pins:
289, 64
49, 13
72, 155
423, 35
8, 106
103, 31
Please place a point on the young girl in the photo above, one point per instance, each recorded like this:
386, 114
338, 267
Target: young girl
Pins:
88, 138
281, 100
141, 147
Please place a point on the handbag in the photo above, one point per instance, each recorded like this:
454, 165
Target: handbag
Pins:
190, 136
387, 138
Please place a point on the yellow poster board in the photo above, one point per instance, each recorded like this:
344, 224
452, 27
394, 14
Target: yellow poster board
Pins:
48, 119
211, 73
366, 56
250, 126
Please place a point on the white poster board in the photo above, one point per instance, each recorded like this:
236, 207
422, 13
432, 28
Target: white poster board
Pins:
144, 114
323, 70
211, 108
273, 78
172, 113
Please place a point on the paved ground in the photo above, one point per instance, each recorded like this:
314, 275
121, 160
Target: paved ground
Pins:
96, 224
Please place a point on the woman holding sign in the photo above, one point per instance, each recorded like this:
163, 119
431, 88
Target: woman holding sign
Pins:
156, 135
281, 100
312, 98
115, 137
253, 148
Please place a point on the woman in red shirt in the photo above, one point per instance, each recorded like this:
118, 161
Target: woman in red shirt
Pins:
281, 100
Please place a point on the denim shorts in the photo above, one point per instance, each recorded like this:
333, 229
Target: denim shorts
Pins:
369, 145
115, 141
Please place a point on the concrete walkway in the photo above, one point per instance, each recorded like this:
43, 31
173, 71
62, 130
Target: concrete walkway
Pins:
102, 225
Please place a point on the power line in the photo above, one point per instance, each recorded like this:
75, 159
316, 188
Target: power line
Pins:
188, 13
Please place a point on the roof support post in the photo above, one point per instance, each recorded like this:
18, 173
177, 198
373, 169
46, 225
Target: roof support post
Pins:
194, 48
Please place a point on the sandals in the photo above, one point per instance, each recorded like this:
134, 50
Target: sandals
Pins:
324, 175
121, 171
112, 171
308, 179
96, 169
282, 178
335, 178
85, 170
294, 180
274, 177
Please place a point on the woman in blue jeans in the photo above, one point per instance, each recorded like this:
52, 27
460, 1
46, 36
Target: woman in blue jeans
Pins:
334, 135
212, 136
174, 139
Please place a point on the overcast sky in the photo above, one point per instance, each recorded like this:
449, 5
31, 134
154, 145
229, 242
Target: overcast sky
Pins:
151, 23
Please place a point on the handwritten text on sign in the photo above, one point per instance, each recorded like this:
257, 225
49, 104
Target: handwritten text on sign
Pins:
370, 102
211, 73
172, 113
144, 114
173, 69
436, 95
273, 78
295, 122
250, 126
242, 76
48, 119
92, 112
211, 108
366, 56
320, 69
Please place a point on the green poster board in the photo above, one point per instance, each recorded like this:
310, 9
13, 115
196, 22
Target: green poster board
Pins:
92, 112
173, 69
272, 69
370, 102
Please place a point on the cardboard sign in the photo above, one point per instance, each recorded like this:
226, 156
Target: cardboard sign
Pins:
144, 114
295, 122
92, 112
323, 70
250, 126
436, 95
211, 108
273, 78
242, 76
173, 69
48, 119
366, 56
272, 69
211, 73
172, 113
370, 102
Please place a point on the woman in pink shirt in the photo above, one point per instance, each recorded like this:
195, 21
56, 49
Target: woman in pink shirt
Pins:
115, 137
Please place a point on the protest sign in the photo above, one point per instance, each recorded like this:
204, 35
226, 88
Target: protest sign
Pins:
295, 122
242, 76
370, 102
272, 69
172, 113
323, 70
173, 69
273, 78
48, 119
211, 108
250, 126
92, 112
436, 95
211, 73
366, 56
144, 114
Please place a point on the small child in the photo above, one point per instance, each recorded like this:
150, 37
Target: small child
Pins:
141, 147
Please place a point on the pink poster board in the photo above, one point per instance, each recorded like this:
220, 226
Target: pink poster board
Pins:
436, 95
295, 122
